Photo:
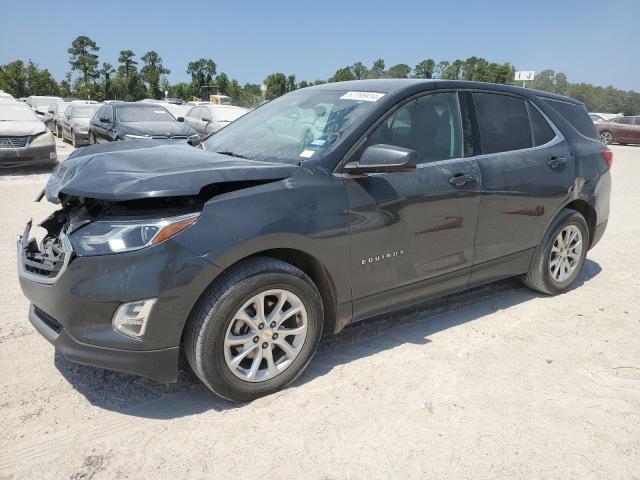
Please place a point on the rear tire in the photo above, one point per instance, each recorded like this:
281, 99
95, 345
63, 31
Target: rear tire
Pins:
237, 355
559, 258
606, 137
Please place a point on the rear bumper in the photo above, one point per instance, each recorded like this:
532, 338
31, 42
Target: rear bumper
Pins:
19, 157
159, 365
598, 232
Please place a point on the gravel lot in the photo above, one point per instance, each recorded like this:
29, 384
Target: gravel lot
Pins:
497, 382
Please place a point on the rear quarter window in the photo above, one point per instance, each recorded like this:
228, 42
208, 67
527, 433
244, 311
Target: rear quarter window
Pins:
503, 121
576, 115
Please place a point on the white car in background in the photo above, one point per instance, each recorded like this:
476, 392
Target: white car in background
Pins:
603, 117
5, 95
178, 111
40, 104
209, 118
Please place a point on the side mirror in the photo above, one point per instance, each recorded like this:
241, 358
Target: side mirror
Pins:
105, 120
180, 119
384, 159
206, 120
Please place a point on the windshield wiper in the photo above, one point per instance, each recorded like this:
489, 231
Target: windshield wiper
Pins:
233, 154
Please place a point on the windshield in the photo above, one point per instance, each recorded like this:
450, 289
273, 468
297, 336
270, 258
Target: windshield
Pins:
143, 113
44, 101
17, 113
85, 111
228, 114
295, 127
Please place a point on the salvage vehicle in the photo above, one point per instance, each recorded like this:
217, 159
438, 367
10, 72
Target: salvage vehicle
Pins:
622, 130
24, 139
207, 119
140, 120
53, 117
75, 123
240, 252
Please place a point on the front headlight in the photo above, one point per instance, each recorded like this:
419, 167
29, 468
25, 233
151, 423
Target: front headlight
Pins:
105, 237
135, 137
42, 140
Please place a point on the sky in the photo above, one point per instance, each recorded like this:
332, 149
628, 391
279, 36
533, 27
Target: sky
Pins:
591, 41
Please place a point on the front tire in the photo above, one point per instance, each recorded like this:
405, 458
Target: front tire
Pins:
255, 331
559, 258
606, 137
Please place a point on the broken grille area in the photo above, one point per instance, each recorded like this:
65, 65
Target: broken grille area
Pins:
14, 141
46, 261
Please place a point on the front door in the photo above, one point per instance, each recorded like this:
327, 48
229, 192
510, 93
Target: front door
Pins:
412, 233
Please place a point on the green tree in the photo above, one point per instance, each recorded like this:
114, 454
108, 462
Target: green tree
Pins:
377, 70
152, 72
15, 81
401, 70
452, 71
127, 63
39, 82
343, 75
424, 69
440, 68
106, 72
360, 71
202, 72
276, 84
222, 81
303, 84
291, 83
82, 58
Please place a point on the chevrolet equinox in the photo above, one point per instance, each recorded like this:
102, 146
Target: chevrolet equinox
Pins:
323, 207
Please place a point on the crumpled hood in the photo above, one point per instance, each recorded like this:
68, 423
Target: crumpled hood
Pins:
11, 128
157, 128
152, 168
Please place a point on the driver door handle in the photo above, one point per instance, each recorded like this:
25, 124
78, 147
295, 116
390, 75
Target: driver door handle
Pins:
460, 179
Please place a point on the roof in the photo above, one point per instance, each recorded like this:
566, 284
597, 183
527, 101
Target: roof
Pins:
396, 85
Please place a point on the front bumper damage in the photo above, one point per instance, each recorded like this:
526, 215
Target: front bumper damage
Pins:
73, 301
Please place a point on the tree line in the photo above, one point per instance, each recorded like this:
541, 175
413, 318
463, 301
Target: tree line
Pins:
135, 78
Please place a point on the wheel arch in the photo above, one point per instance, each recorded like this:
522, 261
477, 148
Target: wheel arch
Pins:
588, 212
302, 260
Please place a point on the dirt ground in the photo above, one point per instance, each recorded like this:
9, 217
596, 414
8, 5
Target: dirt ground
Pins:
497, 382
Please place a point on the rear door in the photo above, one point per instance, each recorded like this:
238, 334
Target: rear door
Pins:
412, 233
636, 130
624, 130
527, 172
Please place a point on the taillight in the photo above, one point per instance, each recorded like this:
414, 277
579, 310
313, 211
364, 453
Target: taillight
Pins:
607, 155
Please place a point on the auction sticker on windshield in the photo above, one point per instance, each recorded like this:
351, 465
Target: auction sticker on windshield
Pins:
366, 96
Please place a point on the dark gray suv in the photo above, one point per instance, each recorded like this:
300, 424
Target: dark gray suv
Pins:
324, 207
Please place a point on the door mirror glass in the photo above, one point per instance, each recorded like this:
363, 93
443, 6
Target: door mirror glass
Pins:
105, 120
384, 159
180, 119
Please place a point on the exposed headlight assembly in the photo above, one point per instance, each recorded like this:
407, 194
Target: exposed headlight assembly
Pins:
105, 237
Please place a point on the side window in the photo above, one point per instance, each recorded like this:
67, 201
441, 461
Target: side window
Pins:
430, 124
542, 131
576, 115
108, 113
624, 121
503, 121
206, 114
193, 113
637, 120
100, 113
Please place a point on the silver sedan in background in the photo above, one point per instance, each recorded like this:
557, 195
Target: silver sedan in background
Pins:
210, 118
53, 117
75, 123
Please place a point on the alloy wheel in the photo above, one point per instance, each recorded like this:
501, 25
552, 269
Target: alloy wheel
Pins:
265, 335
606, 137
565, 253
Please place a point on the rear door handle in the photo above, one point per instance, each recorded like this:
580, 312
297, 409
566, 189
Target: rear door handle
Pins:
556, 162
460, 179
